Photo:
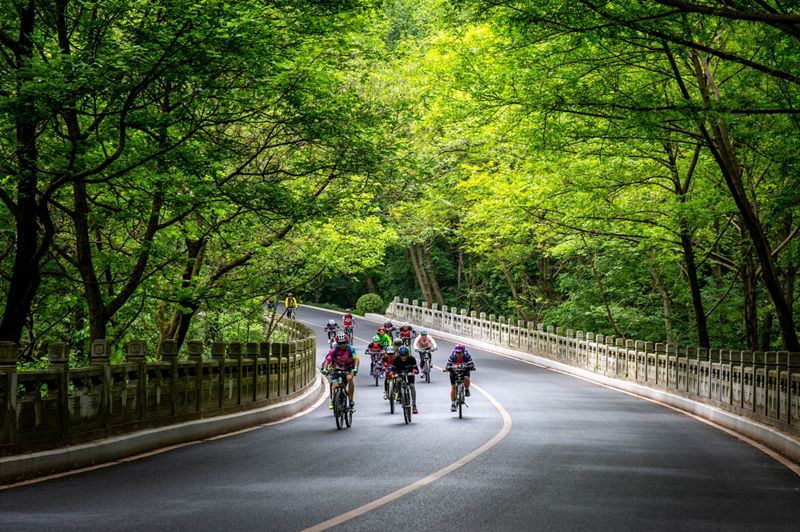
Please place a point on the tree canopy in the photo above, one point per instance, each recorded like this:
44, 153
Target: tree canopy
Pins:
627, 168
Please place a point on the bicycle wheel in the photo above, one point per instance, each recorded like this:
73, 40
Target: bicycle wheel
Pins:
460, 399
391, 397
348, 416
338, 410
376, 374
427, 370
406, 402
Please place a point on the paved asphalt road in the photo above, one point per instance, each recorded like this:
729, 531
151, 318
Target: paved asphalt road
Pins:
536, 450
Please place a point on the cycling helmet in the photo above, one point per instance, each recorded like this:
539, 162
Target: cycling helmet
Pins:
406, 325
403, 351
381, 330
398, 342
376, 338
459, 348
341, 338
423, 332
390, 350
331, 322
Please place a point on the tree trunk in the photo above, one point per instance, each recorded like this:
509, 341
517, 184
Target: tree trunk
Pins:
681, 187
666, 303
716, 138
371, 286
416, 262
604, 295
694, 287
178, 326
765, 340
28, 252
437, 293
547, 281
519, 306
83, 252
750, 301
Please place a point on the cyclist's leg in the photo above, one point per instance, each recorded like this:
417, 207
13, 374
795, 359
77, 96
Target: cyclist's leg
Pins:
466, 384
350, 386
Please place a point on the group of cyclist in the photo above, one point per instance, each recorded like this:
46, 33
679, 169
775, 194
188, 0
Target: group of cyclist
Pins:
391, 356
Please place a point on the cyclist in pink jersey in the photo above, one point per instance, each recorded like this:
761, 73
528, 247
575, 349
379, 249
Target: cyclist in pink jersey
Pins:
344, 357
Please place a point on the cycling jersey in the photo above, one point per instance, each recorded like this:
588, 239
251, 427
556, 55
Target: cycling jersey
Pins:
388, 360
424, 342
347, 320
409, 364
460, 358
374, 348
386, 340
406, 332
343, 358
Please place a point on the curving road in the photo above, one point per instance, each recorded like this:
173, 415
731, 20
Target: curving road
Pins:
537, 450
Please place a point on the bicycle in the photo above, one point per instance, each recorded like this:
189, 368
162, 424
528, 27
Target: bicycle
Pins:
389, 389
425, 363
459, 371
405, 396
291, 313
342, 409
331, 338
348, 331
377, 367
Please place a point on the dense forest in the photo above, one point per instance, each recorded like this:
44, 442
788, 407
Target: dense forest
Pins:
628, 168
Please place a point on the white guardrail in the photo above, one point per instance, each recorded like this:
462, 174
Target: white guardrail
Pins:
760, 386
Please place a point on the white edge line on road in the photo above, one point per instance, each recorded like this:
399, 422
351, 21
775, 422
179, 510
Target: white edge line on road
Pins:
154, 452
795, 468
433, 477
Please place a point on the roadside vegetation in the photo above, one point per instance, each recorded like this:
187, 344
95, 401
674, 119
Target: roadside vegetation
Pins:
628, 169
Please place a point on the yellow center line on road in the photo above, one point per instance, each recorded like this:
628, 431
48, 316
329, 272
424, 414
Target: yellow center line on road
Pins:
433, 477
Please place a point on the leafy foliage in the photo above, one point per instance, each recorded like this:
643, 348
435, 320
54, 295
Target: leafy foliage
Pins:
370, 303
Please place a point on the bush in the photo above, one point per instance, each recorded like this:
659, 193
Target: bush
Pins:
369, 303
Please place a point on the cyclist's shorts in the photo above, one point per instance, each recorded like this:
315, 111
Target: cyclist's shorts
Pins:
453, 376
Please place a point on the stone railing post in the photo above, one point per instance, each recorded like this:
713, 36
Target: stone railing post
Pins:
58, 356
8, 365
252, 353
135, 353
194, 348
99, 356
169, 353
100, 352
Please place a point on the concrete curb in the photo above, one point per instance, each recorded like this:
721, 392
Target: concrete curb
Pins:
28, 466
770, 437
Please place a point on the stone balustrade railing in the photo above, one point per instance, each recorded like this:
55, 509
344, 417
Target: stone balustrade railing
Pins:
62, 405
762, 386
